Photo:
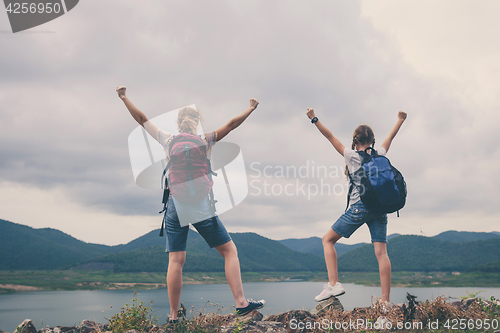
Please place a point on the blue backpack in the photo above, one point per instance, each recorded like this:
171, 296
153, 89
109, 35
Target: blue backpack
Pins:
382, 188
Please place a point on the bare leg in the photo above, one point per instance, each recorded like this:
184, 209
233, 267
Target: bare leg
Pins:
384, 267
329, 240
233, 273
174, 280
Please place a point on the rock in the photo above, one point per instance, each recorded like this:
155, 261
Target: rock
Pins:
253, 316
284, 317
59, 329
88, 326
294, 316
382, 323
251, 323
254, 327
26, 327
332, 303
468, 301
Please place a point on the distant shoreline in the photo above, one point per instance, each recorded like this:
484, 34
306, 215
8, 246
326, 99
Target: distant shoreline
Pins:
26, 281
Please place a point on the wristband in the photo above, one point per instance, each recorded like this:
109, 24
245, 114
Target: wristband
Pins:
315, 119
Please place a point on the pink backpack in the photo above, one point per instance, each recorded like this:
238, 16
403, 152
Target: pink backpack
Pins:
190, 173
190, 178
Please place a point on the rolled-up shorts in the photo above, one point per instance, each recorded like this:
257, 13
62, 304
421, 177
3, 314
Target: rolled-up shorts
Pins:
356, 216
213, 232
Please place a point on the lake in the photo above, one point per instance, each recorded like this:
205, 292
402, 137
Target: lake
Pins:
68, 308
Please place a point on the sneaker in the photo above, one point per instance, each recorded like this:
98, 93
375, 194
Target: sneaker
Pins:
329, 291
386, 307
252, 305
172, 321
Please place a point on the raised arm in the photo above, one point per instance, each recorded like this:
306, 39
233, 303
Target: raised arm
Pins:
137, 114
326, 132
236, 121
387, 142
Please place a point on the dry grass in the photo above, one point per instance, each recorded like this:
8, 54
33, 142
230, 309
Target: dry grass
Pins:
411, 317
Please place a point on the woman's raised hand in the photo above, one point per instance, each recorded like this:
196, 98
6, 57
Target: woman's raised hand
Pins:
253, 103
310, 113
402, 115
121, 91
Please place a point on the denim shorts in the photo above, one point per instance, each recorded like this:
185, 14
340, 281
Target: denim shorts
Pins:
356, 216
213, 232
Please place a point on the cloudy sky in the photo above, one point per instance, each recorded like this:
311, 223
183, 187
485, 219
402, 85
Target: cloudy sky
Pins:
64, 159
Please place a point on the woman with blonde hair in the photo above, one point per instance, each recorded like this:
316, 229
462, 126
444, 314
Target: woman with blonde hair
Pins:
216, 236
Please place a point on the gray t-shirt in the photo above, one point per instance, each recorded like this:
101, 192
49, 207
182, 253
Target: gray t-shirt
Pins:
353, 161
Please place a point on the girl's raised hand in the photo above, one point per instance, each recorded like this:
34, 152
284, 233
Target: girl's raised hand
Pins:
253, 103
310, 113
402, 115
121, 91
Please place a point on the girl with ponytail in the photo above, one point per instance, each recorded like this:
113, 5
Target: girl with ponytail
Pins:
357, 214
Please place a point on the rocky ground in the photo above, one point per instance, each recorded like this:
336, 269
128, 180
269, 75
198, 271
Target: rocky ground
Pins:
328, 315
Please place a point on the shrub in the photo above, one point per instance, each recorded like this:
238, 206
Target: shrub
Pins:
135, 316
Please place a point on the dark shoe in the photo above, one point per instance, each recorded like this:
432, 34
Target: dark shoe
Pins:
172, 321
252, 305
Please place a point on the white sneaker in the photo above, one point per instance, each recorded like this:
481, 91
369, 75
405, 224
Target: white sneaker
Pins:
386, 307
329, 291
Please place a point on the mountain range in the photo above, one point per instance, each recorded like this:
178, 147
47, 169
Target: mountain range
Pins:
26, 248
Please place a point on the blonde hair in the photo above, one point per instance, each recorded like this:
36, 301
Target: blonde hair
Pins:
362, 135
188, 120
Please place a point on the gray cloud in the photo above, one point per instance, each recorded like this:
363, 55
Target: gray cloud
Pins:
62, 125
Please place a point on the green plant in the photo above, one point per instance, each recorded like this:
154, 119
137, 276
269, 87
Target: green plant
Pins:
134, 316
238, 326
490, 308
471, 295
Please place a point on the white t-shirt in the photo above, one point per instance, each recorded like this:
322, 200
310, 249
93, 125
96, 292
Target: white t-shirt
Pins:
353, 161
189, 212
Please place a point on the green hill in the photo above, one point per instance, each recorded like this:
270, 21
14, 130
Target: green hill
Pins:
26, 248
256, 253
418, 253
152, 238
23, 247
266, 254
314, 246
154, 259
465, 236
493, 267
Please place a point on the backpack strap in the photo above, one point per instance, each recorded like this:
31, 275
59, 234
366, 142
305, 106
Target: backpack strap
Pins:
211, 198
189, 165
164, 183
351, 186
365, 157
348, 197
166, 195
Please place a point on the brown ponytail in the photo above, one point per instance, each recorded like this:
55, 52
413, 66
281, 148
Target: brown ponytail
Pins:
188, 120
363, 134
